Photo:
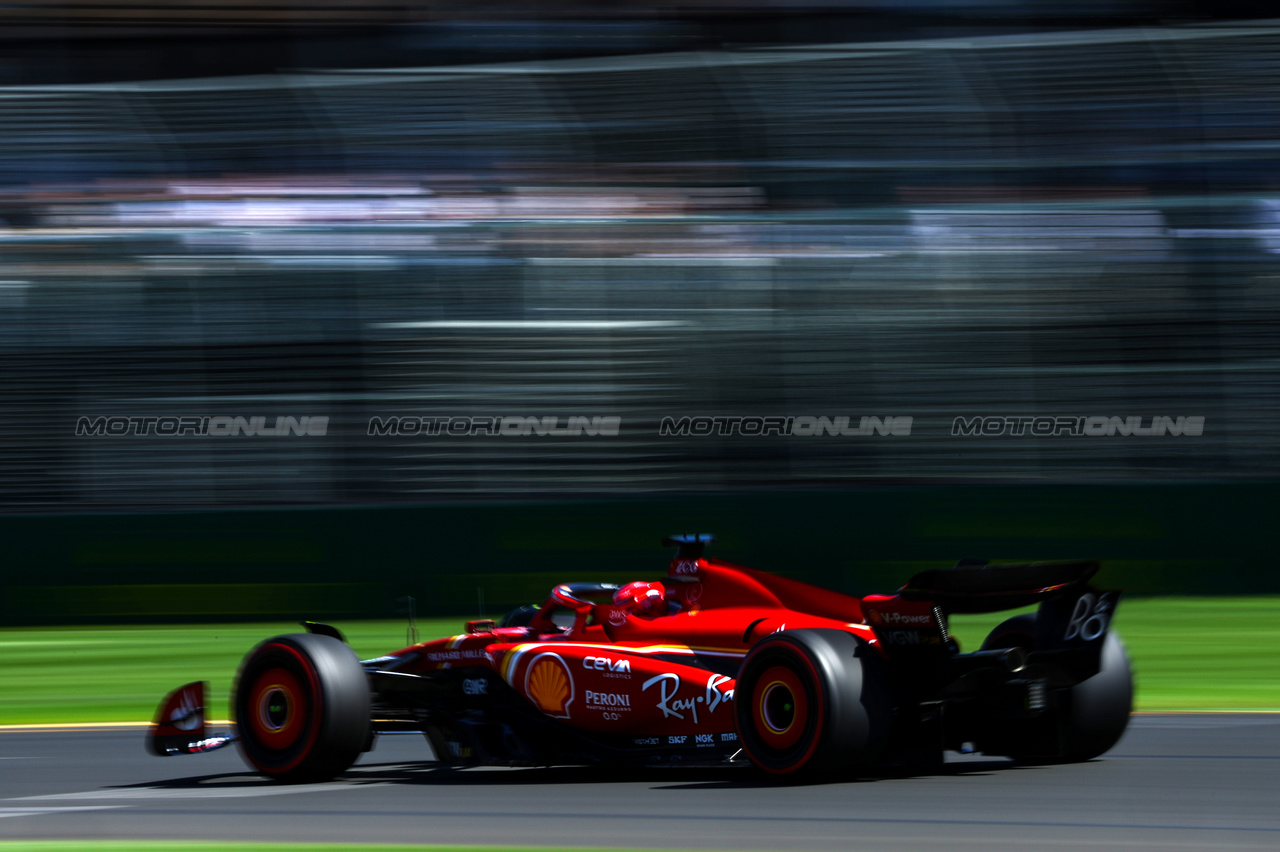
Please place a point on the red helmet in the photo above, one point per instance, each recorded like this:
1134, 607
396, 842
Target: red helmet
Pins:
647, 600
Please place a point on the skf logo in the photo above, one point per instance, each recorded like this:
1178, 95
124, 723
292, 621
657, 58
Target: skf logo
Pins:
474, 686
549, 685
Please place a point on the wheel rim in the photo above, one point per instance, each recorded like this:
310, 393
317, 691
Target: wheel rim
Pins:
779, 708
277, 709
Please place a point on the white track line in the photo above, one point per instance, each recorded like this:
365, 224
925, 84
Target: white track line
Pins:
246, 791
21, 812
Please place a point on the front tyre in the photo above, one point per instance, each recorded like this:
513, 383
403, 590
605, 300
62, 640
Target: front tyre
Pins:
810, 703
302, 707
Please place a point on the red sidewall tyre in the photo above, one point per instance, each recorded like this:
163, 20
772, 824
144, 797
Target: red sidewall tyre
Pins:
784, 745
280, 710
302, 707
811, 702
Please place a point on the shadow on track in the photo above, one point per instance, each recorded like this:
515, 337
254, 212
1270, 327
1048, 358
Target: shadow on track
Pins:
430, 773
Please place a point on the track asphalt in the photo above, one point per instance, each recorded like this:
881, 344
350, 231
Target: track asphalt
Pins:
1174, 782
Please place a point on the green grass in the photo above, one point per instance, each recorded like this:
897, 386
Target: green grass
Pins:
119, 674
1188, 654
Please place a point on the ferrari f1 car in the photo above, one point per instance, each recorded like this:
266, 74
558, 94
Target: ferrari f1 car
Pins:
713, 663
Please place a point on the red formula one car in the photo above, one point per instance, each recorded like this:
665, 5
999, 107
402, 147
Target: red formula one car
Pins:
713, 663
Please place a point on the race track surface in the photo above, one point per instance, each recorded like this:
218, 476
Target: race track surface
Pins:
1208, 782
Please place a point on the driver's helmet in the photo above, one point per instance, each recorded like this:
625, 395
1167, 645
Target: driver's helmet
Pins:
647, 600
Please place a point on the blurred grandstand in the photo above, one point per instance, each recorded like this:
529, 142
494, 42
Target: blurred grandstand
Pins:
1062, 224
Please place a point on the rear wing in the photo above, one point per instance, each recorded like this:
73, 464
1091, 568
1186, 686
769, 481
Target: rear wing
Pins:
977, 587
1073, 617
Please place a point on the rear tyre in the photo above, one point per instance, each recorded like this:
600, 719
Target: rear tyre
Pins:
302, 707
1016, 632
811, 703
1100, 706
1092, 715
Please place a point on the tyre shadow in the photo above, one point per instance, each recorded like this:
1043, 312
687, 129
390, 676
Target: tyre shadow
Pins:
431, 773
886, 773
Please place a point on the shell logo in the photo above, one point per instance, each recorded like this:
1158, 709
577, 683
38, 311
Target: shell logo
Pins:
549, 685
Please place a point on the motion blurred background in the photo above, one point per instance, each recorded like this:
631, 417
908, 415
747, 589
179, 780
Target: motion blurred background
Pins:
758, 208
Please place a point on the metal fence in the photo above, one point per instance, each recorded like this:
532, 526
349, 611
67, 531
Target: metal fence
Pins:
1072, 227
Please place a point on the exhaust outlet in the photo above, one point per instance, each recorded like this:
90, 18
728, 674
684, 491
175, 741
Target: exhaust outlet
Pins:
1013, 659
